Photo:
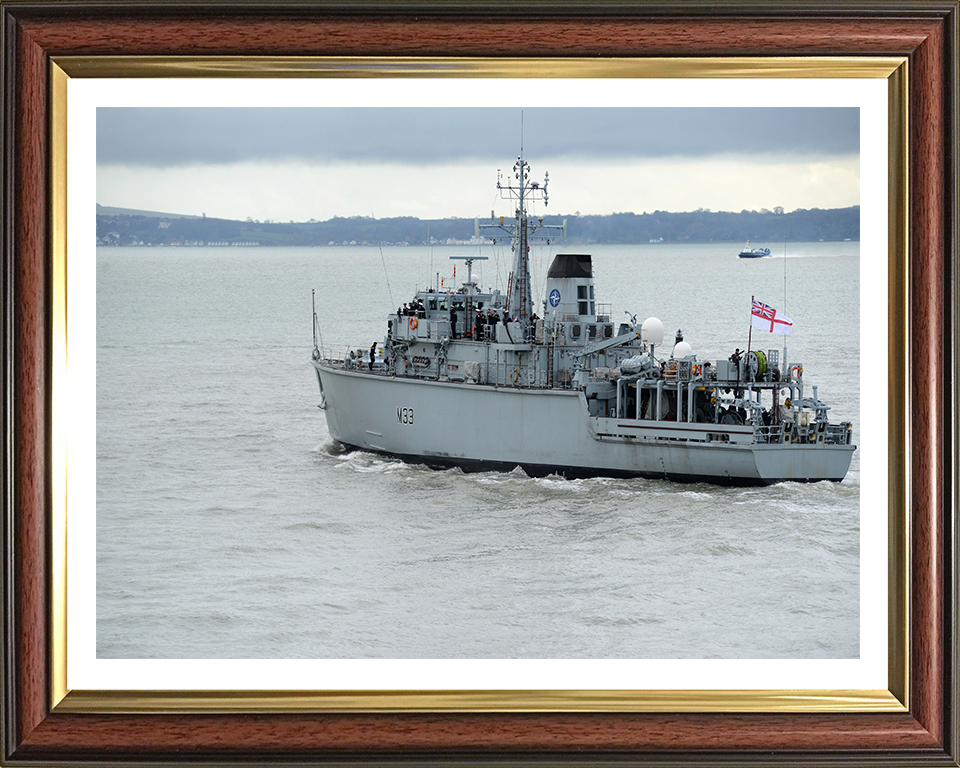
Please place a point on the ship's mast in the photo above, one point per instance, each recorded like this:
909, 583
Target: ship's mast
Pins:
521, 304
521, 189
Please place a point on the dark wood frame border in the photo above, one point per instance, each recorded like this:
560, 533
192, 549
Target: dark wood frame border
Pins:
923, 31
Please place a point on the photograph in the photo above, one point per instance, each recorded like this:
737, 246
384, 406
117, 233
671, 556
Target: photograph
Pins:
578, 383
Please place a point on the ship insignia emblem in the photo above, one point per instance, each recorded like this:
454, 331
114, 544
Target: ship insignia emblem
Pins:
554, 297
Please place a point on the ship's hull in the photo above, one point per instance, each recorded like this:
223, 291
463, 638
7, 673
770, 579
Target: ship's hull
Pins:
546, 431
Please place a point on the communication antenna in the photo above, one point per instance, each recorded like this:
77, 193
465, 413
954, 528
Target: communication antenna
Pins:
318, 350
430, 243
382, 260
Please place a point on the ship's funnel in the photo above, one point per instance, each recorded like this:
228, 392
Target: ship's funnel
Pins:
570, 286
571, 265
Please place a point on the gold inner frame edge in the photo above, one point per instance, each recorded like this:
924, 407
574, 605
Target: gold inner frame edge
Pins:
673, 701
420, 67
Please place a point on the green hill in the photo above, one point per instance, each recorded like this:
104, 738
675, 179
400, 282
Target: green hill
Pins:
106, 210
118, 226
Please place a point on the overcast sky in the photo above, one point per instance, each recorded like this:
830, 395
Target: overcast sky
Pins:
302, 163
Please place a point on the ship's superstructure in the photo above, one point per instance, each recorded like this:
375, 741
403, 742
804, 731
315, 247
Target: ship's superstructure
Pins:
478, 379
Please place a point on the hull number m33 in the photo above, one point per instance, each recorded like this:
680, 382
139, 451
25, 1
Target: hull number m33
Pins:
405, 415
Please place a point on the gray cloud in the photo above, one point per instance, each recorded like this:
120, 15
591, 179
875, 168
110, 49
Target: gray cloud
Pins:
174, 137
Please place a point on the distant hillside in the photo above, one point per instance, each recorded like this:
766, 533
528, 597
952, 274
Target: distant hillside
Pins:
116, 226
106, 210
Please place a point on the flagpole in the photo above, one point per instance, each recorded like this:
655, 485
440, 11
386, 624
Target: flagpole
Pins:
784, 303
750, 332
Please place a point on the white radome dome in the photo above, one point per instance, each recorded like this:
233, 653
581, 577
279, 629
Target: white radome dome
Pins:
652, 331
681, 350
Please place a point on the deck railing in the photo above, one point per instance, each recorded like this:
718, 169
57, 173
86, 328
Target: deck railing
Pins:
815, 432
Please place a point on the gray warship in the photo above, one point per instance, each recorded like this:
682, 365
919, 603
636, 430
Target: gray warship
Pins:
479, 380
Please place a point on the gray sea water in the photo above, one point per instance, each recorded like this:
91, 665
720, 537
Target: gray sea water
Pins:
229, 525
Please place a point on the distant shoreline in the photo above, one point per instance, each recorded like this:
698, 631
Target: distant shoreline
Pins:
760, 228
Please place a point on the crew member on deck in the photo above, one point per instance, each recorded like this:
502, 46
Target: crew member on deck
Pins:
785, 411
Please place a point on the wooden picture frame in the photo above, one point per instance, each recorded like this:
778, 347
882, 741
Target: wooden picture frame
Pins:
39, 724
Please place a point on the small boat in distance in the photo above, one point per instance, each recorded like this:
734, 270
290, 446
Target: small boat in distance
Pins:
753, 253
